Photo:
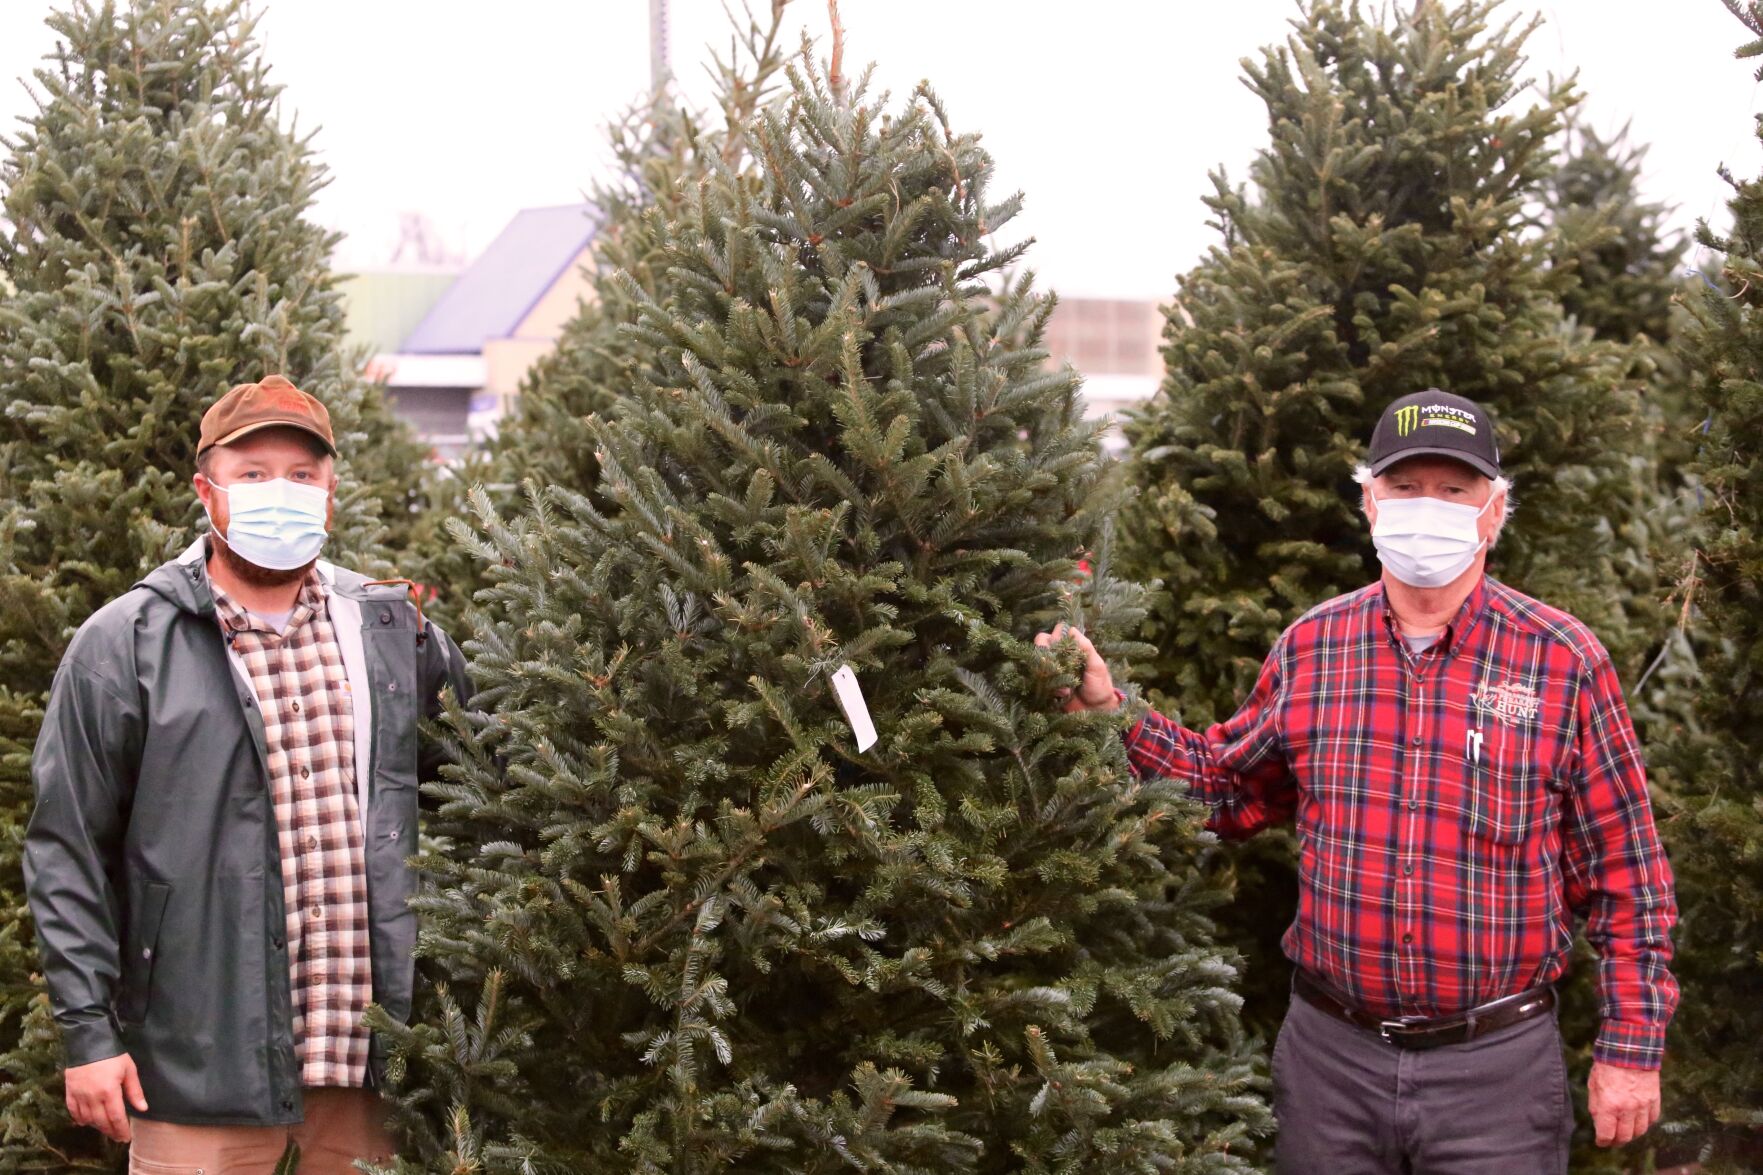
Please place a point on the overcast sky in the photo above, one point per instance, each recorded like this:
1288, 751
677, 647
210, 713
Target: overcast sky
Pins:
1106, 113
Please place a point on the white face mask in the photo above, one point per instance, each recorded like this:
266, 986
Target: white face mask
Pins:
276, 524
1425, 542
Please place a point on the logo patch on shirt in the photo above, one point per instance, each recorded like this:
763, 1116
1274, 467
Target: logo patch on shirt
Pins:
1509, 701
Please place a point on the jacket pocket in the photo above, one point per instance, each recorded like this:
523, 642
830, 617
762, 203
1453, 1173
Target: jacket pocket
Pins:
396, 712
143, 952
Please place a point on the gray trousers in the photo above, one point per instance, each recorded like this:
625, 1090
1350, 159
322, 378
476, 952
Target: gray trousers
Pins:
1349, 1104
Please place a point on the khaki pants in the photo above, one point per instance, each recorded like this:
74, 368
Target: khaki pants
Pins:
341, 1125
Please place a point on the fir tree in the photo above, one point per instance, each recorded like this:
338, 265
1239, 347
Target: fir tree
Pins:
157, 252
1715, 830
661, 151
689, 926
1628, 290
1390, 246
1616, 241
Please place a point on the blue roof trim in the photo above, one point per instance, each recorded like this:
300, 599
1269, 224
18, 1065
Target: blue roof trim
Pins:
504, 284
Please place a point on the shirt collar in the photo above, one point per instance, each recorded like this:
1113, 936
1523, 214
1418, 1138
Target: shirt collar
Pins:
234, 617
1455, 632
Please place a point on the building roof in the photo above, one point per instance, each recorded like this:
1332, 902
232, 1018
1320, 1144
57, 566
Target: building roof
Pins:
382, 307
491, 297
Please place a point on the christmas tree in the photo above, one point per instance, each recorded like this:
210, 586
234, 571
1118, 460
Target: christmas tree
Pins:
660, 151
1390, 245
692, 918
1629, 289
157, 252
1616, 241
1715, 828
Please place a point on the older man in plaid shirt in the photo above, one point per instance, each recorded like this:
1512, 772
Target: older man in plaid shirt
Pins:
1465, 781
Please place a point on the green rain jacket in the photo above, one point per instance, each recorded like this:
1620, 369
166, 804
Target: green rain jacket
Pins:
152, 861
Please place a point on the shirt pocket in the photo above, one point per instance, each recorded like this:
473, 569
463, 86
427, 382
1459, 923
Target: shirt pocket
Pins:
1502, 801
1509, 783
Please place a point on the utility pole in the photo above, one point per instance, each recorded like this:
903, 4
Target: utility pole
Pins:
658, 45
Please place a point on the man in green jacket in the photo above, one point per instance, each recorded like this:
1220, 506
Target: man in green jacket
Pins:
226, 795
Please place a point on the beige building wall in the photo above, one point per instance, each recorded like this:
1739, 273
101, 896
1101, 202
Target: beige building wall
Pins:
1106, 336
1113, 343
507, 360
558, 304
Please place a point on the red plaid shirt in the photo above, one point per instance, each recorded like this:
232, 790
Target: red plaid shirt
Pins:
1456, 809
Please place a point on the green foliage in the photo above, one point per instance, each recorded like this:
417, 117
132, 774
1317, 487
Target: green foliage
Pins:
1614, 239
687, 925
1629, 293
661, 151
1391, 246
1715, 829
156, 254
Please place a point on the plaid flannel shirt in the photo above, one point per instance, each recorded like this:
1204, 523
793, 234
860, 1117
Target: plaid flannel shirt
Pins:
309, 726
1456, 809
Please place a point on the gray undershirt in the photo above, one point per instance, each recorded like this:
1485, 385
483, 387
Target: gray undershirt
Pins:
1420, 644
274, 621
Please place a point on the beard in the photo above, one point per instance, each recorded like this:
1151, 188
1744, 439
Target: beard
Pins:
248, 572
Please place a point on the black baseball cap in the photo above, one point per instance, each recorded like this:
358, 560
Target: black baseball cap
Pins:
1436, 424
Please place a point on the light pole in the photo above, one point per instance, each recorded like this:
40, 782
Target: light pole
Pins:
658, 45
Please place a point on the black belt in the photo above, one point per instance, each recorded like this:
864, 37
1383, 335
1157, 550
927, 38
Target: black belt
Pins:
1413, 1033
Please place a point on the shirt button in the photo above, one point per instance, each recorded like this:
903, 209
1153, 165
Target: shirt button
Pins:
296, 707
1413, 804
391, 687
385, 618
305, 773
394, 835
312, 843
1408, 868
276, 943
1415, 740
318, 912
1407, 938
146, 952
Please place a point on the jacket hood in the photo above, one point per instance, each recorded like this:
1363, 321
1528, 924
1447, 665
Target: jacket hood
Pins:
183, 581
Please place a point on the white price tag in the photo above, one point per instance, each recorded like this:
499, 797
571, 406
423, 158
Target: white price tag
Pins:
850, 696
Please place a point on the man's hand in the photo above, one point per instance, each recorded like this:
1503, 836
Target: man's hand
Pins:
1624, 1102
1096, 690
95, 1095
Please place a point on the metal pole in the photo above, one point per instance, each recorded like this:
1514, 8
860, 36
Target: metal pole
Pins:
658, 45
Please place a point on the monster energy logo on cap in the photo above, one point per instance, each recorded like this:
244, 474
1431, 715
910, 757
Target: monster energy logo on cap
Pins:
1435, 423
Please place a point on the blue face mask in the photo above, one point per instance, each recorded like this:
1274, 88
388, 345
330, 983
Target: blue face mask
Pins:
279, 525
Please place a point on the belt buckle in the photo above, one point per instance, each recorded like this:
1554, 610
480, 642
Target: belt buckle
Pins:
1384, 1028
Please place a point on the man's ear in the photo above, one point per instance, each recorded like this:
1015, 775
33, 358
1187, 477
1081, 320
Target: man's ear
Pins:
1367, 502
1497, 515
204, 491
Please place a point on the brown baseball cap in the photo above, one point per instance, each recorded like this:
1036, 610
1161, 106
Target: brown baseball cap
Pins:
273, 403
